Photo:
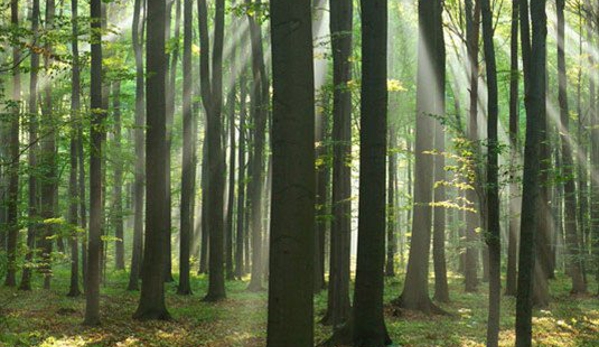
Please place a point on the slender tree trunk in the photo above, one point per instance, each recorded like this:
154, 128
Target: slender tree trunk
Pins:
13, 186
239, 239
138, 186
232, 94
48, 160
290, 293
391, 206
73, 183
472, 218
204, 218
341, 24
212, 98
259, 111
572, 240
152, 304
534, 64
119, 232
188, 172
441, 286
94, 248
33, 198
369, 323
492, 232
514, 192
430, 101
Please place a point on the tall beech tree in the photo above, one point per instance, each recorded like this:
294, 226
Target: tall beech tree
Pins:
369, 322
13, 185
570, 218
73, 149
290, 307
492, 234
534, 54
258, 113
341, 23
138, 185
98, 114
212, 98
33, 197
151, 303
514, 199
188, 171
430, 95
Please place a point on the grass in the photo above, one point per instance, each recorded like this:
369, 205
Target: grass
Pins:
50, 319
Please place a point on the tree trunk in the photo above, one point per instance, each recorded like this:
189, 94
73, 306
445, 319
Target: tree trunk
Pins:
572, 240
138, 187
341, 24
472, 218
94, 248
188, 162
290, 294
534, 64
240, 265
232, 95
492, 232
441, 287
259, 111
33, 198
430, 101
391, 206
73, 183
514, 192
368, 318
14, 157
118, 179
212, 99
151, 303
48, 160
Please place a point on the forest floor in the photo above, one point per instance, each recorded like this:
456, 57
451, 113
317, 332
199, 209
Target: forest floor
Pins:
50, 319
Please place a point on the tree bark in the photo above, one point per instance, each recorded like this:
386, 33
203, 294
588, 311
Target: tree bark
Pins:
151, 303
33, 198
570, 218
369, 323
73, 183
138, 186
188, 162
534, 62
94, 248
119, 232
13, 170
290, 293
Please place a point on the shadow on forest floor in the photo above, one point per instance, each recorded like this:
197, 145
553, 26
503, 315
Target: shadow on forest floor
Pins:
50, 319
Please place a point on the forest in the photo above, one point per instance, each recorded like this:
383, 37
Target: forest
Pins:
299, 173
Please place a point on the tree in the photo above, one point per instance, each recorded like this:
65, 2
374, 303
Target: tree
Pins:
138, 185
48, 158
258, 114
369, 323
492, 234
240, 269
430, 101
119, 231
290, 306
33, 199
534, 64
341, 24
439, 262
472, 218
188, 171
511, 275
94, 247
151, 303
212, 99
13, 186
73, 183
571, 229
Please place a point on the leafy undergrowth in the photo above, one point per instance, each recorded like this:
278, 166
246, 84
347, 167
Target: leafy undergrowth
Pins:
50, 319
